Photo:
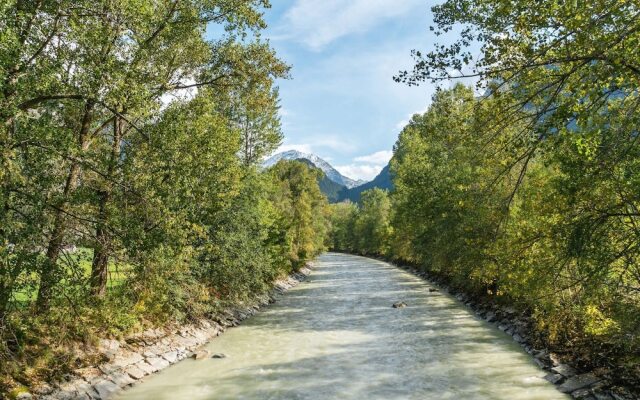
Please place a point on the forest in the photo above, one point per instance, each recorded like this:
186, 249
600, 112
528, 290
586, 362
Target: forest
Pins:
130, 189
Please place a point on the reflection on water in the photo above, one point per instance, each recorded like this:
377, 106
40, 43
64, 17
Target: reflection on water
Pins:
337, 337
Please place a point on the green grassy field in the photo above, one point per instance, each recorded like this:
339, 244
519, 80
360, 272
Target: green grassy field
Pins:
78, 265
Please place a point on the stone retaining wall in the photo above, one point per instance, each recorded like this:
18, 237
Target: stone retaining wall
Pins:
139, 355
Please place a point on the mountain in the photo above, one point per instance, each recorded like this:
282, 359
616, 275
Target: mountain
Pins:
332, 190
334, 185
382, 181
331, 173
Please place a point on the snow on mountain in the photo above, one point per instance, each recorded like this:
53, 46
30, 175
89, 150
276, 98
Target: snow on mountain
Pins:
331, 172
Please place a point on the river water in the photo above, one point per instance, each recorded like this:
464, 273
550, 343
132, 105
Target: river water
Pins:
336, 336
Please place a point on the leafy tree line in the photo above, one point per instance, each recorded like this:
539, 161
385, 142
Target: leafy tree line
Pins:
526, 188
130, 194
454, 213
363, 228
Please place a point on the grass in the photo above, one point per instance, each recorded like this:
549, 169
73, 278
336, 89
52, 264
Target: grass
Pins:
77, 263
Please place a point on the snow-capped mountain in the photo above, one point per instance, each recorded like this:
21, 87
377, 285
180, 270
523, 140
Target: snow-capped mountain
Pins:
329, 171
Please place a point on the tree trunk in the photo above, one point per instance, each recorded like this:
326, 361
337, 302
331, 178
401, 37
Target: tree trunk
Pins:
50, 272
100, 264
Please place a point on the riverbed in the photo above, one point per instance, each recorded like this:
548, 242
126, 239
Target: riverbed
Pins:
336, 336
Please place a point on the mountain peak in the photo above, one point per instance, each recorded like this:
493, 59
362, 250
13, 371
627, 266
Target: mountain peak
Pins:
318, 162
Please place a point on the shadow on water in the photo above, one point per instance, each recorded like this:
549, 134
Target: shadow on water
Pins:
336, 336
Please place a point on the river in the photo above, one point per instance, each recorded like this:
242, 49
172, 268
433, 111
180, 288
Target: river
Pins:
336, 336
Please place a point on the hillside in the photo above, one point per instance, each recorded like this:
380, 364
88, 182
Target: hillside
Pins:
331, 189
382, 181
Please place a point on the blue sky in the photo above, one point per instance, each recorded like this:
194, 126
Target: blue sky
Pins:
342, 103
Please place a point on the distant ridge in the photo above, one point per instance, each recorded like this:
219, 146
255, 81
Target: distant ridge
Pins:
382, 181
332, 190
333, 184
331, 173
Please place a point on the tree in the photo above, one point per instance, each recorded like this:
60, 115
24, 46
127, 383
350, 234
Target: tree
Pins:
303, 209
102, 69
372, 229
128, 134
527, 193
343, 219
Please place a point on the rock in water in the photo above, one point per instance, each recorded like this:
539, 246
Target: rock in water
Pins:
399, 304
219, 355
200, 354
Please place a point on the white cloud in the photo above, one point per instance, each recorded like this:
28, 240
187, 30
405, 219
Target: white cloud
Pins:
303, 147
366, 167
377, 158
320, 145
359, 171
318, 23
400, 125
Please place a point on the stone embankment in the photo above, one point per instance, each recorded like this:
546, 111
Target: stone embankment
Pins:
582, 385
137, 356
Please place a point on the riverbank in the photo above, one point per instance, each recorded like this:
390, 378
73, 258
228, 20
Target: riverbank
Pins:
563, 371
339, 337
139, 355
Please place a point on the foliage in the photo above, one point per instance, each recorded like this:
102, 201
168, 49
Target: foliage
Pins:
343, 220
363, 229
556, 241
127, 134
565, 75
301, 210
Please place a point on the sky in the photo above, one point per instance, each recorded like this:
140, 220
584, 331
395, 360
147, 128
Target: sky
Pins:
342, 103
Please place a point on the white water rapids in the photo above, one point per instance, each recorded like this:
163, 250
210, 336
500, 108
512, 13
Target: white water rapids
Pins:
336, 336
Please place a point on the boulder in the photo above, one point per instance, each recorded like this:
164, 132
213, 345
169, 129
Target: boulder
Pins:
602, 395
565, 370
555, 359
508, 310
621, 394
554, 378
72, 389
106, 389
127, 358
157, 363
540, 363
578, 382
145, 367
171, 356
518, 338
200, 354
88, 373
109, 348
135, 372
582, 394
490, 317
121, 379
66, 395
399, 304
